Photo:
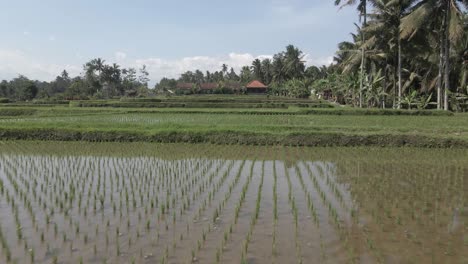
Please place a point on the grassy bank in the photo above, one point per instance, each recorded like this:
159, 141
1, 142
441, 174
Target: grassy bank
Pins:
293, 126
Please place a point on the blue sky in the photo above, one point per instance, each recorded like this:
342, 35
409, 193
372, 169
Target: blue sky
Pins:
40, 38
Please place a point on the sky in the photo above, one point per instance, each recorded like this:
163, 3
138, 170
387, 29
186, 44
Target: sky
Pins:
40, 38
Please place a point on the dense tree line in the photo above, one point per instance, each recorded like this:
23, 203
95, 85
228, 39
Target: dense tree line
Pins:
405, 53
99, 80
286, 74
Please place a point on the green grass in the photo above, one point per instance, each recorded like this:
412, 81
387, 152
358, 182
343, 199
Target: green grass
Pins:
260, 126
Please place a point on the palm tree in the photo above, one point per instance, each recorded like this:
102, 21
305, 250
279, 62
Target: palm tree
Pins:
224, 69
278, 72
387, 20
99, 65
95, 65
257, 69
450, 31
362, 9
294, 64
245, 75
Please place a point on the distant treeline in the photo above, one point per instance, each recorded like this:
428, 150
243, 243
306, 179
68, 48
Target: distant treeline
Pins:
405, 54
100, 80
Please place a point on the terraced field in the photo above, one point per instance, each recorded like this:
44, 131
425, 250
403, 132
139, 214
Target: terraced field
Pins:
236, 126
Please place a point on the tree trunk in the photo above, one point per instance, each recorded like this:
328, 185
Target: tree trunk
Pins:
361, 81
399, 72
447, 58
441, 67
384, 84
363, 56
394, 89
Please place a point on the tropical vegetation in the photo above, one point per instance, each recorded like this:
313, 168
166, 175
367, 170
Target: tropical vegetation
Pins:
404, 54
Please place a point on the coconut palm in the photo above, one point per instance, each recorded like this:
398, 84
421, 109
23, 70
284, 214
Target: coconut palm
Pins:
385, 23
450, 31
293, 62
266, 71
224, 69
278, 69
362, 9
257, 69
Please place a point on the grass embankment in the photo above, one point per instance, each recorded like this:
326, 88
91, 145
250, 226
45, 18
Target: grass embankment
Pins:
294, 126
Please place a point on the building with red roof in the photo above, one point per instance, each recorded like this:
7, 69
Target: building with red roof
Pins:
256, 86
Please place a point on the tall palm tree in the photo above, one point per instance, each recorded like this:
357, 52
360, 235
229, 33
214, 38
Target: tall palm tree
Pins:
386, 21
257, 69
224, 69
294, 64
245, 75
362, 9
278, 72
450, 31
266, 70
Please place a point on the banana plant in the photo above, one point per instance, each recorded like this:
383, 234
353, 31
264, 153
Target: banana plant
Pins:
410, 98
374, 91
423, 101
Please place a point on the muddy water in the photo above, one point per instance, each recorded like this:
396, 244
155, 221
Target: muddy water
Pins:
153, 203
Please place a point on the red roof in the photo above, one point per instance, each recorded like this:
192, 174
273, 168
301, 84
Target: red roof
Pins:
208, 86
184, 85
255, 84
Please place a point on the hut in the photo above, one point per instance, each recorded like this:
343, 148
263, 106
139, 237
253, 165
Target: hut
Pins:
256, 87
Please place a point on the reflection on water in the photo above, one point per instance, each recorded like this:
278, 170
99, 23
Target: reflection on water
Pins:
204, 203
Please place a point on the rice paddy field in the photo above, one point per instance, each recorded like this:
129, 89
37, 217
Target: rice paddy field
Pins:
76, 202
335, 127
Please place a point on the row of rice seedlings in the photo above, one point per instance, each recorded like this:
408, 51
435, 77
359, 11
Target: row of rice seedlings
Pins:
310, 205
227, 233
255, 216
329, 173
18, 191
213, 187
344, 235
308, 197
185, 205
5, 247
209, 181
325, 199
232, 185
180, 238
294, 212
275, 209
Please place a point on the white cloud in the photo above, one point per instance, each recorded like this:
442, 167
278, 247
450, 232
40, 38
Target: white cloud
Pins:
16, 62
318, 61
26, 33
159, 68
120, 56
52, 38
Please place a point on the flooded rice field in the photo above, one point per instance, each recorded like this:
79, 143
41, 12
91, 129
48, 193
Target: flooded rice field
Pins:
176, 203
